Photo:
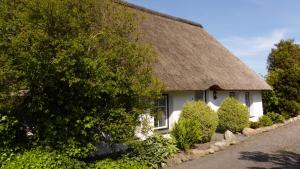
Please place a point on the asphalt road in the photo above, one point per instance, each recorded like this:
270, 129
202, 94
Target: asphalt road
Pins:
276, 149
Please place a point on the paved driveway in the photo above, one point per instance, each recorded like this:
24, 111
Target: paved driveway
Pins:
276, 149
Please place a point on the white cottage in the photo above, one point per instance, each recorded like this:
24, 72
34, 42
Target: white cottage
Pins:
195, 66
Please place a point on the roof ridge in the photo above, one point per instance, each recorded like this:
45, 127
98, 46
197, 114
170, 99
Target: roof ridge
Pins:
159, 13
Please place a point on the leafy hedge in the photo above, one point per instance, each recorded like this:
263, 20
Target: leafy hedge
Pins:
38, 158
267, 120
123, 163
233, 116
152, 151
141, 154
275, 117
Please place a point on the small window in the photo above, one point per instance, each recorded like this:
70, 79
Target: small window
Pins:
199, 95
161, 118
247, 99
232, 94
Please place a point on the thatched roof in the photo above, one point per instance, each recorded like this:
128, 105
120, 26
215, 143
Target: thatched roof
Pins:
191, 59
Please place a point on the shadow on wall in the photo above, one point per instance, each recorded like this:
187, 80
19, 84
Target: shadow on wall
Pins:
281, 159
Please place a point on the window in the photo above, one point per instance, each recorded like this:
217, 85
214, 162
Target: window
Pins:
232, 94
199, 95
161, 118
247, 100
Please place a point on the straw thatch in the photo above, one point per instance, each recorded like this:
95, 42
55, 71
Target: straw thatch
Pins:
191, 59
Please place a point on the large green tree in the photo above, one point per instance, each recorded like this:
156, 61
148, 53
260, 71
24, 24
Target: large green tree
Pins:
284, 77
73, 73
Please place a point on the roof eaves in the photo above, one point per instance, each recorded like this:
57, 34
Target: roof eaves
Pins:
159, 13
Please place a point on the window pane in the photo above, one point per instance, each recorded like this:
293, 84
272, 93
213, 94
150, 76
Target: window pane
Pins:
162, 101
155, 122
247, 99
160, 120
199, 95
231, 94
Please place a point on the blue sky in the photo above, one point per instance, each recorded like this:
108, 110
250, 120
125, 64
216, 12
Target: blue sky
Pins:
248, 28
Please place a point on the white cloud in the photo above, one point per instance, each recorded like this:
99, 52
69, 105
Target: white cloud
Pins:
254, 46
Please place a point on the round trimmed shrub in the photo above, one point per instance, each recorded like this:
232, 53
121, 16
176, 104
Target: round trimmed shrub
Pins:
265, 121
233, 116
203, 115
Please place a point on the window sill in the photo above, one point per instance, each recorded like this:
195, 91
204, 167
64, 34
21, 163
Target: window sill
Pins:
161, 128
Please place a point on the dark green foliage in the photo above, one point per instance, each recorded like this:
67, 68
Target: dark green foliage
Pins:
152, 151
8, 128
186, 132
38, 158
265, 121
123, 163
233, 116
270, 101
285, 55
275, 117
286, 115
284, 77
82, 70
203, 115
255, 125
289, 106
6, 154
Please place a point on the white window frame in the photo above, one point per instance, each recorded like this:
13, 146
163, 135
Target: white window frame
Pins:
166, 126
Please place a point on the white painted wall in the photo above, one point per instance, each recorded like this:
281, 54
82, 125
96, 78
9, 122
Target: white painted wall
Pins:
256, 108
176, 102
215, 103
179, 98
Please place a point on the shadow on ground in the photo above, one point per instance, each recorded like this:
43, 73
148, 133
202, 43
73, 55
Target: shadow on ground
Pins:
281, 159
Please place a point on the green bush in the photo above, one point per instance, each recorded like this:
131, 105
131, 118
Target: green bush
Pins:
186, 132
85, 74
284, 77
152, 151
255, 125
8, 130
290, 106
38, 158
203, 115
286, 115
6, 155
275, 117
123, 163
233, 116
265, 121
